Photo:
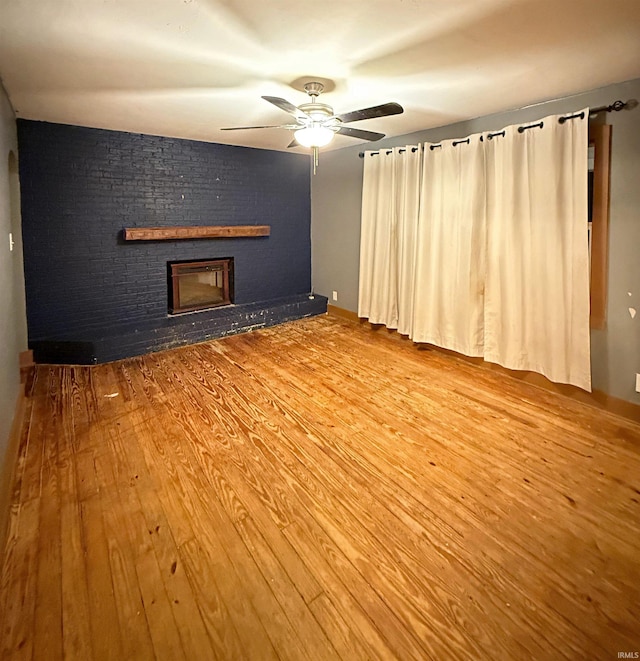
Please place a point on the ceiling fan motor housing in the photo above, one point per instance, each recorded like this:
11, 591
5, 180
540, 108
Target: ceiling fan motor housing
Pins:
317, 111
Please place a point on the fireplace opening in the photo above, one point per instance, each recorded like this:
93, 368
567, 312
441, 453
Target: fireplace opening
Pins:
200, 285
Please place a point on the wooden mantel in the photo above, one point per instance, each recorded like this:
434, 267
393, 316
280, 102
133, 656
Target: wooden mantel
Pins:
191, 232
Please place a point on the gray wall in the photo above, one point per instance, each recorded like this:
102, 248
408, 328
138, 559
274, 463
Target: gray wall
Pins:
13, 326
335, 225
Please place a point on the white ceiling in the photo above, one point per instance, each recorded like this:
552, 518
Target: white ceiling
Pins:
186, 68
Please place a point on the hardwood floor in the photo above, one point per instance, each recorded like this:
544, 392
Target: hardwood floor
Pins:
318, 491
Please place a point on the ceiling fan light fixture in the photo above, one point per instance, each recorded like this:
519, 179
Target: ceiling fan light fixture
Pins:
314, 136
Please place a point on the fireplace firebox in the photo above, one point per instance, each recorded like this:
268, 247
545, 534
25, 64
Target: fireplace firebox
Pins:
200, 285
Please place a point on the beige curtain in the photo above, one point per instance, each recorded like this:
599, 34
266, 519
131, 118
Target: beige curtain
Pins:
390, 198
488, 256
537, 276
407, 213
448, 293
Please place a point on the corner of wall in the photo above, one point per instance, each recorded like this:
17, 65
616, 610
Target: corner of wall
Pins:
13, 336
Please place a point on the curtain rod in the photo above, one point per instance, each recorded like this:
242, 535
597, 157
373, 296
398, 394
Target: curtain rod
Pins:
616, 106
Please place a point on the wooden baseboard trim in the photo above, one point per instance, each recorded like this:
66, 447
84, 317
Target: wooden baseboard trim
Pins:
344, 314
27, 365
8, 467
597, 398
26, 358
615, 405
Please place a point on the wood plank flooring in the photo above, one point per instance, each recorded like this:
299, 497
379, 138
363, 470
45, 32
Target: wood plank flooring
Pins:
318, 491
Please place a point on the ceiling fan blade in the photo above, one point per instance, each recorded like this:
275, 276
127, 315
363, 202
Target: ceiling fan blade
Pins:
293, 143
242, 128
278, 126
285, 105
369, 113
359, 133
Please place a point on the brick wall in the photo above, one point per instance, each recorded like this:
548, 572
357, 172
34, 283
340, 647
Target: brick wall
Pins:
81, 186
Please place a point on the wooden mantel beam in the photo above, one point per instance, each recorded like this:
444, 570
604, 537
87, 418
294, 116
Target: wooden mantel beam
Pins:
197, 232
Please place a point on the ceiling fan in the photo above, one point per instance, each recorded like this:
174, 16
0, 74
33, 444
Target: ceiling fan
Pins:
316, 124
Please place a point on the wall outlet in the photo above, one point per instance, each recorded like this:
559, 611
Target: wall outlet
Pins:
11, 242
335, 295
637, 382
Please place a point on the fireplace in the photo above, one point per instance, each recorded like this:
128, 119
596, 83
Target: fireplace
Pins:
200, 285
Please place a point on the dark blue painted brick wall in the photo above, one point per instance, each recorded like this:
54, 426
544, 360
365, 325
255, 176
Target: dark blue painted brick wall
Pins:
81, 187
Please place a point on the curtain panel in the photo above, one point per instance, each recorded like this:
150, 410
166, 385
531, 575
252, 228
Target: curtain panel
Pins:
480, 246
537, 277
449, 282
390, 205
